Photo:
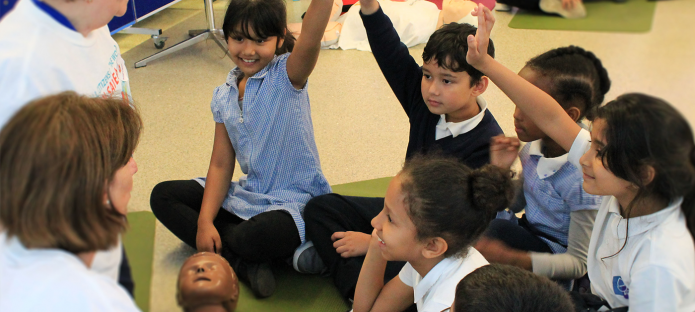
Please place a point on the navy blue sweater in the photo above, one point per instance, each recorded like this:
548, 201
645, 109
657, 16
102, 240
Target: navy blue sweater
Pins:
404, 76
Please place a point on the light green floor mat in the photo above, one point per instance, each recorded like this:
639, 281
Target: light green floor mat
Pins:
139, 246
295, 292
631, 16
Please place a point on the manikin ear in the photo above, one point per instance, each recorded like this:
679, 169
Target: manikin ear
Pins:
434, 247
574, 113
480, 87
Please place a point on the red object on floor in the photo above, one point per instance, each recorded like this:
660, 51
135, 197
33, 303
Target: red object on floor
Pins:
349, 2
437, 2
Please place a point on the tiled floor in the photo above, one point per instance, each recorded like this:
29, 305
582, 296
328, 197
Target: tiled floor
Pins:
360, 129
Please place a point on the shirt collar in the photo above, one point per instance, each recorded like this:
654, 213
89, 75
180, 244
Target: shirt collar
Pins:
644, 223
59, 17
546, 166
458, 128
433, 276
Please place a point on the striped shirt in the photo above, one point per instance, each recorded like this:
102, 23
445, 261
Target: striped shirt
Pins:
553, 189
273, 138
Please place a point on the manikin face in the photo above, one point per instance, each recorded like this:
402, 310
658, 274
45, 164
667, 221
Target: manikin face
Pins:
207, 279
252, 55
447, 92
394, 228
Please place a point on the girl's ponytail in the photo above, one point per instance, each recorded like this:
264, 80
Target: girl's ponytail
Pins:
491, 188
288, 45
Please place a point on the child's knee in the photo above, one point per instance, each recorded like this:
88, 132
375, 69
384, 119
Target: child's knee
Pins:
159, 196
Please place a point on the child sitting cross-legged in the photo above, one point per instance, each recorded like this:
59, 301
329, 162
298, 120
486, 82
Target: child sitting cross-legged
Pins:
434, 209
446, 111
552, 237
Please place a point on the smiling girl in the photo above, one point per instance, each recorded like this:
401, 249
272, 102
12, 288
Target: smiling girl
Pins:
263, 120
640, 156
434, 209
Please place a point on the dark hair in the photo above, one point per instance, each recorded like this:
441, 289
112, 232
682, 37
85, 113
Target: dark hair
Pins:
640, 131
267, 18
502, 288
577, 78
449, 46
56, 154
447, 199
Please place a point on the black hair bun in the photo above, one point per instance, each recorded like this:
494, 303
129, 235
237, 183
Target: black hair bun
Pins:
491, 188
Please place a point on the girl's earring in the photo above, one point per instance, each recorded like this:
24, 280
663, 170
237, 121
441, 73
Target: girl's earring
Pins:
108, 202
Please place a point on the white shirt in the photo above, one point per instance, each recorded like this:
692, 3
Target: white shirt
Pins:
445, 129
436, 291
656, 269
54, 280
39, 56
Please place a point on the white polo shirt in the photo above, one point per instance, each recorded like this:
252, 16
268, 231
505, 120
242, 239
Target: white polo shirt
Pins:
54, 280
445, 129
436, 291
656, 269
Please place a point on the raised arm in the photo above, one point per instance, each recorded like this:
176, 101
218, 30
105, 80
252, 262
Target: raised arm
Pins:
540, 107
303, 59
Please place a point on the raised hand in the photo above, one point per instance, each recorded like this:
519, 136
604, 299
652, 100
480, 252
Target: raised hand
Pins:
478, 44
503, 151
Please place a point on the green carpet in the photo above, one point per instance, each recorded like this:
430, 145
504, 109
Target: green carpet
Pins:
295, 292
139, 246
631, 16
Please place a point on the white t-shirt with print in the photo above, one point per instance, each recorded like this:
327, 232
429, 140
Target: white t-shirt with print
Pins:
656, 269
39, 57
54, 280
436, 291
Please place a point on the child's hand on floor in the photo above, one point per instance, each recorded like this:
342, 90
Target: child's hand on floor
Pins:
351, 244
208, 239
478, 44
503, 151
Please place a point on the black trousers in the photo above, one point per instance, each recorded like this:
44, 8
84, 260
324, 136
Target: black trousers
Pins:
327, 214
516, 236
267, 236
531, 5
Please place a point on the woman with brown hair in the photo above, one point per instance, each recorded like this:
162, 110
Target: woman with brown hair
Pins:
66, 173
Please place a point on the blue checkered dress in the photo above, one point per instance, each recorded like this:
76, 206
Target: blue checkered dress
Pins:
273, 138
551, 199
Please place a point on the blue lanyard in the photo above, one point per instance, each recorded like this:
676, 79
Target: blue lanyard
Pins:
59, 17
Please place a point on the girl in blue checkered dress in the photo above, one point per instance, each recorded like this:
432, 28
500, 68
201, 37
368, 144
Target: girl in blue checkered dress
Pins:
263, 121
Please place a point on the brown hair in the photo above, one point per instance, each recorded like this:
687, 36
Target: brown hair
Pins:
57, 155
447, 199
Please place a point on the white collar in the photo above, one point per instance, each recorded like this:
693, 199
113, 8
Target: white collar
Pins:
642, 224
441, 270
546, 166
455, 129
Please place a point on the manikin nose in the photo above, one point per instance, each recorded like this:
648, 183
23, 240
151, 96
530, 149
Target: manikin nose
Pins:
200, 270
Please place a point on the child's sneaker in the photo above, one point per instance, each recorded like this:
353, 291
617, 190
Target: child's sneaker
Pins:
306, 260
259, 276
555, 6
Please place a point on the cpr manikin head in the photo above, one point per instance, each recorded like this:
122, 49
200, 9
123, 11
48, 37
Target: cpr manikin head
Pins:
207, 281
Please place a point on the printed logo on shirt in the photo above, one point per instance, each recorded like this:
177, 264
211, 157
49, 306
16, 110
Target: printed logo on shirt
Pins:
113, 79
619, 287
